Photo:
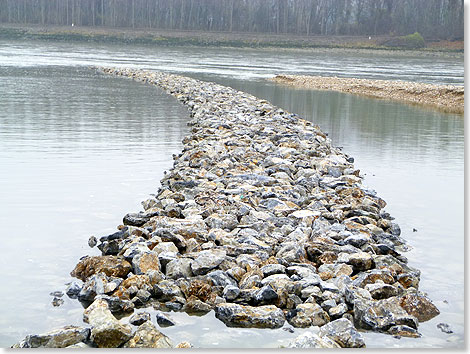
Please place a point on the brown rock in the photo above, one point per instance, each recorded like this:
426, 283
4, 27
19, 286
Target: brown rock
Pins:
419, 306
112, 266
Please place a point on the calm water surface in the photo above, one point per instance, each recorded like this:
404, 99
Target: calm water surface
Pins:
79, 150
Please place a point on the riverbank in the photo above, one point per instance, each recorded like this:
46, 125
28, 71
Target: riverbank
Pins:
260, 220
151, 36
448, 98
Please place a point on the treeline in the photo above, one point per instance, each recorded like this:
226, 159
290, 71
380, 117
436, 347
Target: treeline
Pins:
436, 19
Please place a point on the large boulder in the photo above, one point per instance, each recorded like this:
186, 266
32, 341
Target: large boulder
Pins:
234, 315
106, 331
419, 306
381, 315
112, 266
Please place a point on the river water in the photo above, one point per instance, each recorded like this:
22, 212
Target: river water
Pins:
79, 150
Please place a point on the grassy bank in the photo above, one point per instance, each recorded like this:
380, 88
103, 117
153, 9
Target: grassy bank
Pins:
446, 98
219, 39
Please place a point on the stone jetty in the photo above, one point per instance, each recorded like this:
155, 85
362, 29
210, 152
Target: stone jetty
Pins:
447, 98
260, 220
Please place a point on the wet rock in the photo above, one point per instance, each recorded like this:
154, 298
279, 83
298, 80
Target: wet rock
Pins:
207, 260
110, 265
308, 314
57, 301
148, 336
135, 219
343, 332
139, 318
233, 315
73, 289
164, 320
419, 306
381, 315
312, 340
106, 331
57, 338
404, 331
92, 241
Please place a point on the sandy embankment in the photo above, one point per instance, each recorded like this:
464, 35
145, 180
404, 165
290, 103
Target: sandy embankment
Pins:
448, 98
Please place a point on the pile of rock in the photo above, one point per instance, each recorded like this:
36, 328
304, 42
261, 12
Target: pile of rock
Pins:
263, 221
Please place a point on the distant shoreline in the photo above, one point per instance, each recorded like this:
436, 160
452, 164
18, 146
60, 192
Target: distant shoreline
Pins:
448, 98
151, 36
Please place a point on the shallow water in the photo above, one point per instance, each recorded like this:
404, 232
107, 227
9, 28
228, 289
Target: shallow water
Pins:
79, 150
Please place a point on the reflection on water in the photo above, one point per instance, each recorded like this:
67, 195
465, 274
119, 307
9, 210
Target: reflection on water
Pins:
78, 151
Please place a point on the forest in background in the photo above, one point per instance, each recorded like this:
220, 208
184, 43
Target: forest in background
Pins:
433, 19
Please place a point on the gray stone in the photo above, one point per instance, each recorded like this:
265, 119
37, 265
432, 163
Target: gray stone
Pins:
233, 315
266, 295
166, 290
179, 268
338, 310
270, 269
381, 291
73, 289
230, 292
380, 315
164, 320
98, 284
221, 278
207, 260
57, 338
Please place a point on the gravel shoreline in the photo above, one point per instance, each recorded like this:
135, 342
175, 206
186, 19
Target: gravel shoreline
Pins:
260, 220
448, 98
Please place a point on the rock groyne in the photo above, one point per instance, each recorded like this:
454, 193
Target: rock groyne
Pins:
261, 220
448, 98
